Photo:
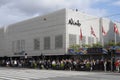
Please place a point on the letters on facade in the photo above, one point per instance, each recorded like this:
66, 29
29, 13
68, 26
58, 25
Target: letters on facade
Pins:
72, 22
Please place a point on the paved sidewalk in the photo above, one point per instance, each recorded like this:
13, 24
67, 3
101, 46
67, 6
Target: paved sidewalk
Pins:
36, 74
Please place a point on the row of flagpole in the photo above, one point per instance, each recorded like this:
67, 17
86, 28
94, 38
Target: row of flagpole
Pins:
104, 33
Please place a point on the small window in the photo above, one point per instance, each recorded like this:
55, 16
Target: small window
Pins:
72, 39
46, 43
59, 41
37, 44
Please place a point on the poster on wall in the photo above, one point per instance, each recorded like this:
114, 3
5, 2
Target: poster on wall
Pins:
88, 51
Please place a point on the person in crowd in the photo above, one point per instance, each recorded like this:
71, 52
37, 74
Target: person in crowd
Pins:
53, 64
117, 65
15, 63
60, 64
105, 65
92, 64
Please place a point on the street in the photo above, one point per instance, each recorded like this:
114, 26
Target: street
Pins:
36, 74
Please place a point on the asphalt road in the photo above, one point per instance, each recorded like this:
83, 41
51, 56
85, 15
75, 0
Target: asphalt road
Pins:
36, 74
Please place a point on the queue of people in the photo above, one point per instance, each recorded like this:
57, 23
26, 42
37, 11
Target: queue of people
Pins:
63, 64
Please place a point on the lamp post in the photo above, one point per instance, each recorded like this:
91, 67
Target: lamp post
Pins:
110, 52
112, 59
25, 55
41, 56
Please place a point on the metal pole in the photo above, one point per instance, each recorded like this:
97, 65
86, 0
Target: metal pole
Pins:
112, 60
115, 39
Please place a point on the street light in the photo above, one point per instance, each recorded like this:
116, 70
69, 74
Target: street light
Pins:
42, 56
25, 55
112, 52
112, 59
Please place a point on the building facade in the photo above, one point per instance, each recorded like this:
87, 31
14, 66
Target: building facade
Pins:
52, 34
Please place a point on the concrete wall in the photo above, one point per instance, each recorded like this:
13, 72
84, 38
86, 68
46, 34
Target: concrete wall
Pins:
87, 21
53, 24
47, 25
2, 42
109, 28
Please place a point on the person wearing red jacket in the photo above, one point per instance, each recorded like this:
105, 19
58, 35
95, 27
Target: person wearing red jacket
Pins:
117, 65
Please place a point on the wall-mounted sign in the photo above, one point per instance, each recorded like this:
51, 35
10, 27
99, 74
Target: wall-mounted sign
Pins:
96, 50
88, 51
19, 53
73, 22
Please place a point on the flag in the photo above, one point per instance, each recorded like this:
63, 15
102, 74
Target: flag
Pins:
116, 29
92, 32
81, 36
103, 31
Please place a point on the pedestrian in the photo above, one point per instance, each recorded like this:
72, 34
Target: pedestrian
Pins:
105, 65
117, 65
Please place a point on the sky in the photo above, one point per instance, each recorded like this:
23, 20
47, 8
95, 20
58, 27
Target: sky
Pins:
12, 11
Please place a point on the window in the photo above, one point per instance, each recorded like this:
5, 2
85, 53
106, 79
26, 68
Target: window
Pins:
23, 45
18, 45
59, 41
72, 39
90, 40
46, 43
13, 46
84, 40
37, 44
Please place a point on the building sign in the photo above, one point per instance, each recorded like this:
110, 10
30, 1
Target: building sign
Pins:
71, 51
72, 22
78, 52
96, 50
116, 48
85, 51
117, 51
19, 53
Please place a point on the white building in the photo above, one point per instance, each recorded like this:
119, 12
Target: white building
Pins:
53, 33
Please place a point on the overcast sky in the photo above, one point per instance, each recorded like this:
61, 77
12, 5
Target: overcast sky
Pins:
12, 11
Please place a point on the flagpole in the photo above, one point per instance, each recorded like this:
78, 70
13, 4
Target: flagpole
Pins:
103, 34
80, 38
92, 33
102, 31
102, 40
91, 37
81, 43
116, 32
115, 39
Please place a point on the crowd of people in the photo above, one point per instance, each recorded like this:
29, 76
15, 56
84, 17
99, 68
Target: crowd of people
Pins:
63, 64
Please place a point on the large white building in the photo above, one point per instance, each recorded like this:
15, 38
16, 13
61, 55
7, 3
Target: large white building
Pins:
53, 33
